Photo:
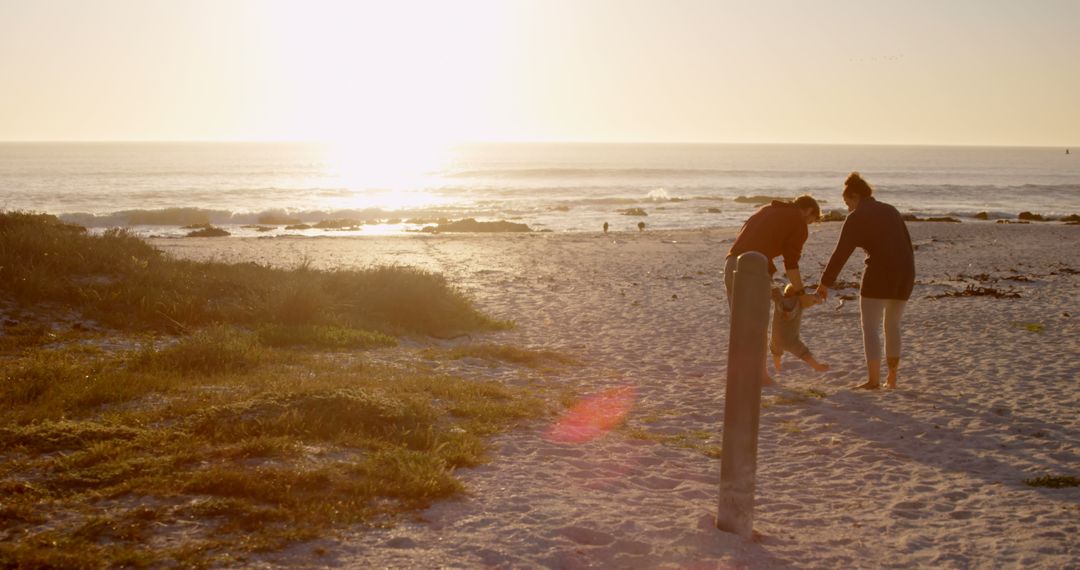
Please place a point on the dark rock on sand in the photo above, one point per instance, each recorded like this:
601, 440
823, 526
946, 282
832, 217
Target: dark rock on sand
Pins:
471, 225
338, 224
208, 231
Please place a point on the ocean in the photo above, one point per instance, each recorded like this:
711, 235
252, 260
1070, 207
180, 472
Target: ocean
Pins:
259, 188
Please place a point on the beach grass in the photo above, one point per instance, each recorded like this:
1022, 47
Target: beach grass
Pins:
537, 359
696, 440
119, 280
793, 396
253, 471
223, 409
1030, 327
245, 447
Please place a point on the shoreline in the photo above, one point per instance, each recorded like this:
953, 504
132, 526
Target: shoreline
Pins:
929, 475
381, 231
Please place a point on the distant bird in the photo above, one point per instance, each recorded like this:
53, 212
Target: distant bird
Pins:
605, 227
641, 226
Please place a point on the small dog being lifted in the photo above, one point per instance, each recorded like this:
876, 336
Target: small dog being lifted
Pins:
787, 319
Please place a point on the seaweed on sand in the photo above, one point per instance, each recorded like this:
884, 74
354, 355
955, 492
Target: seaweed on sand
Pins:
976, 291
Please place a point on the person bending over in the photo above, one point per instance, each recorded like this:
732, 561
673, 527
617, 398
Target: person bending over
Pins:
779, 228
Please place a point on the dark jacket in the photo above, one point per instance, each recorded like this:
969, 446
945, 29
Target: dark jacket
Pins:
890, 261
776, 229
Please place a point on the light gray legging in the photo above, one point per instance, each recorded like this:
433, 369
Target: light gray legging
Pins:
873, 312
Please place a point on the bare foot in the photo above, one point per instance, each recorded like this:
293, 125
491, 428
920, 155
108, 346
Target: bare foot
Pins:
820, 367
890, 380
776, 362
869, 386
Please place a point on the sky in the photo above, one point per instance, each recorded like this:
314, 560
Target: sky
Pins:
951, 72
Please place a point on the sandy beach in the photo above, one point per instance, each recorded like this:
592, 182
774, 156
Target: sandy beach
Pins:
929, 475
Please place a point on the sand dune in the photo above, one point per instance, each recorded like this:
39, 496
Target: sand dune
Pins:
930, 475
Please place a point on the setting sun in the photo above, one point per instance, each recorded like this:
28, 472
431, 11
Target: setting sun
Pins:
392, 73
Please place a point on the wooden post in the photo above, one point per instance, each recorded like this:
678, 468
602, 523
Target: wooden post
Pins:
742, 405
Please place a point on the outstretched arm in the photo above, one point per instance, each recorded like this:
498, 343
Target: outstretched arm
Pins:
845, 245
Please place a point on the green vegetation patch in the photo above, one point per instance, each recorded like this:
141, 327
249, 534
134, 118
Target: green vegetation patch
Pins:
502, 353
48, 436
25, 335
794, 396
1031, 327
343, 414
121, 281
322, 336
205, 440
696, 440
246, 459
215, 350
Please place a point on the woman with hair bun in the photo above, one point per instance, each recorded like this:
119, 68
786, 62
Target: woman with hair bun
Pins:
888, 279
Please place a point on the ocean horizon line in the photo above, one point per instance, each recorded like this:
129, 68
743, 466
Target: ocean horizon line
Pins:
540, 142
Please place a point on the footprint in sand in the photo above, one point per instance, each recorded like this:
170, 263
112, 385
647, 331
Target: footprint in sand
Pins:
908, 509
658, 483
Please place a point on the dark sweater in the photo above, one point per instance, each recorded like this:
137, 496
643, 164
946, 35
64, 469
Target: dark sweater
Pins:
776, 229
878, 229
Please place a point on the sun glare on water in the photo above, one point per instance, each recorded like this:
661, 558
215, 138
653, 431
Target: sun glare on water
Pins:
387, 175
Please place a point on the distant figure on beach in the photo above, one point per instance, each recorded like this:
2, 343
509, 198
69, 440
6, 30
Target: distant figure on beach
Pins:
641, 226
605, 228
780, 228
888, 279
787, 319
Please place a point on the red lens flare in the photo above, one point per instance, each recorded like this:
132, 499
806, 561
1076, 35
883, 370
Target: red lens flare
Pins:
594, 416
